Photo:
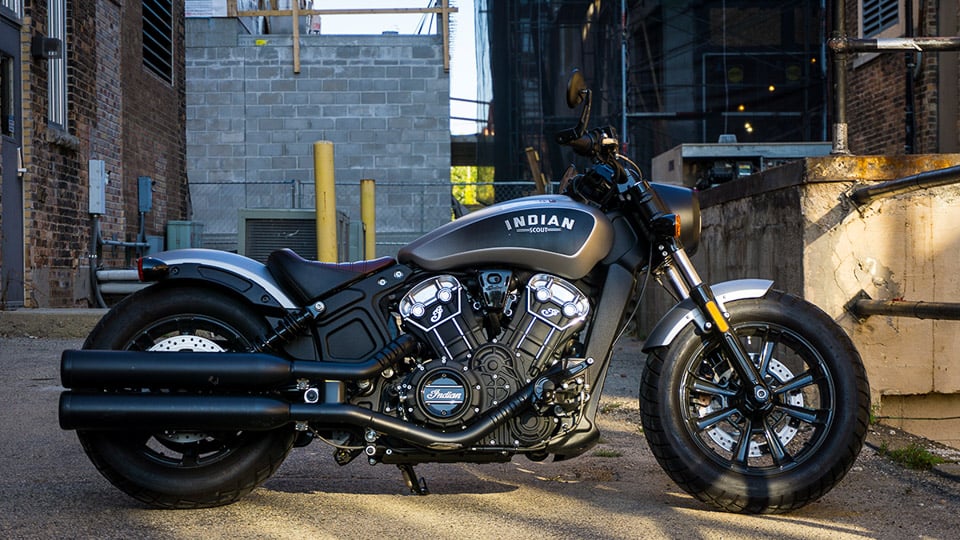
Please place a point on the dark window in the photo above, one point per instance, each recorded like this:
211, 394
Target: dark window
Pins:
57, 80
7, 80
878, 15
158, 37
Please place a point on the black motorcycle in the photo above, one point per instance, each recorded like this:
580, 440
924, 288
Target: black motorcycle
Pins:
484, 339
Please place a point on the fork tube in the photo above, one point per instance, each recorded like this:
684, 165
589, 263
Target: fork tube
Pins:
702, 296
687, 272
674, 283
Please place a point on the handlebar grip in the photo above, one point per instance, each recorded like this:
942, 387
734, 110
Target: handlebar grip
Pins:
582, 146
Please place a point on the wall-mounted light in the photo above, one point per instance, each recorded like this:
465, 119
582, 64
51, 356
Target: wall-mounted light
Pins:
46, 47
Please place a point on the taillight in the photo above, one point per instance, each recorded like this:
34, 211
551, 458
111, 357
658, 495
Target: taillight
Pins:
151, 269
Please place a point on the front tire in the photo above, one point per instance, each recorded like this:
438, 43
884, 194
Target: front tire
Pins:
717, 448
183, 469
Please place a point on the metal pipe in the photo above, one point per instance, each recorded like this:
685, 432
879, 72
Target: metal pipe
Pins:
103, 411
97, 296
121, 287
117, 275
864, 308
624, 137
840, 138
910, 138
841, 44
119, 243
924, 180
102, 369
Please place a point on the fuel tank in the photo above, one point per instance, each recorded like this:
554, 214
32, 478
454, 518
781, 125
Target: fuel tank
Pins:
543, 233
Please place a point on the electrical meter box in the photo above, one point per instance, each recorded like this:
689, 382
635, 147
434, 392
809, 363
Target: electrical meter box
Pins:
98, 186
145, 193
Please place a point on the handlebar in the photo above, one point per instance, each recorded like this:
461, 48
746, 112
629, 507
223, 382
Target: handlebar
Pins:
583, 146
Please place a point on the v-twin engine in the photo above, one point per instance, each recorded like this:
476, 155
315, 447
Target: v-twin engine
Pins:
478, 361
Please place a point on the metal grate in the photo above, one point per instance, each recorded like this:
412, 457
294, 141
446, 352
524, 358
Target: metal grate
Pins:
158, 37
266, 230
878, 15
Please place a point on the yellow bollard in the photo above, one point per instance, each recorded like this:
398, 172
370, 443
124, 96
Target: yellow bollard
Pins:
368, 215
326, 197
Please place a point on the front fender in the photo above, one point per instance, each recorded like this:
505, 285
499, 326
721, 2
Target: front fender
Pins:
241, 274
685, 312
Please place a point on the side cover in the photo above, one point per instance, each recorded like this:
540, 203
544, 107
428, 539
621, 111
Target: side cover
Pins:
545, 233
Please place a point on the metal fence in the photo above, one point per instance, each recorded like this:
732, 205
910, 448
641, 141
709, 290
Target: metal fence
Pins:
404, 211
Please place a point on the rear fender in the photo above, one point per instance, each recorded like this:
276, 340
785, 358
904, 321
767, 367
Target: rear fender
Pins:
685, 312
223, 269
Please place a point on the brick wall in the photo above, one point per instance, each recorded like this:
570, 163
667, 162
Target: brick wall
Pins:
55, 219
382, 100
876, 97
116, 112
153, 124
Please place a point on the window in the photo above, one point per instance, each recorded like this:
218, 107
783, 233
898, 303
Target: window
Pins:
7, 99
158, 38
15, 6
57, 79
878, 15
882, 19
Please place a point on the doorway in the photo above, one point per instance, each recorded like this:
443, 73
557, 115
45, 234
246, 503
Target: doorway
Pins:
11, 235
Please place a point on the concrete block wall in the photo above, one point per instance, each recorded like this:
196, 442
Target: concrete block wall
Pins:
382, 100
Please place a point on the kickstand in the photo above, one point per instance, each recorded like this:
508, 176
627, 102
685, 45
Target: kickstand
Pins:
417, 486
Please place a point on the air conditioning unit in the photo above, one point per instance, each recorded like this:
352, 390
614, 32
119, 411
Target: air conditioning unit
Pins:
262, 230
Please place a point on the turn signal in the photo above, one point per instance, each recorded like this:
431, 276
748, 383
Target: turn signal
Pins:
717, 317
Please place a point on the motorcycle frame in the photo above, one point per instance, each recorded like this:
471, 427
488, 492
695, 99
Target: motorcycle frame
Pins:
364, 300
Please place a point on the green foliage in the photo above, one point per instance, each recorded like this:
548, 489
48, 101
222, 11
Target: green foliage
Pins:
875, 414
472, 186
609, 407
912, 456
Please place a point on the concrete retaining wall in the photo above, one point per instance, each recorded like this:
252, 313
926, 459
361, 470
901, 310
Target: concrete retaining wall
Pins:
795, 224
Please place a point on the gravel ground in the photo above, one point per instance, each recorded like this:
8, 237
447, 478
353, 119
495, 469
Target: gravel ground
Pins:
48, 489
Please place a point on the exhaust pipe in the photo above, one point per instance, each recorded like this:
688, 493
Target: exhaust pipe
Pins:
104, 369
156, 412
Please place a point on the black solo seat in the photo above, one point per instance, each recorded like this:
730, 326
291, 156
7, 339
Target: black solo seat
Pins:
307, 279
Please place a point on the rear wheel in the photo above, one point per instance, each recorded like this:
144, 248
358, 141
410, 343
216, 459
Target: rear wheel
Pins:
183, 469
719, 447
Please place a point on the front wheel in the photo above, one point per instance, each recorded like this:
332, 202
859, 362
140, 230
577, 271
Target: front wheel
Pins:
183, 469
720, 449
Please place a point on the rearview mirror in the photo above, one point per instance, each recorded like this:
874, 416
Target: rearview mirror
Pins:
576, 87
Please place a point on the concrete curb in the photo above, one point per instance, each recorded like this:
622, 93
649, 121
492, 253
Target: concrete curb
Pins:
49, 323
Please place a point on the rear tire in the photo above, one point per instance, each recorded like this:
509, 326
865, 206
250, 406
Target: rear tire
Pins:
714, 447
183, 469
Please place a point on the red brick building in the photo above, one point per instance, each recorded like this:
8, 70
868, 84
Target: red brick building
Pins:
877, 97
97, 80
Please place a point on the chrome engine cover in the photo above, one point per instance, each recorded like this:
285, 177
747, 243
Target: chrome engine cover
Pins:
478, 372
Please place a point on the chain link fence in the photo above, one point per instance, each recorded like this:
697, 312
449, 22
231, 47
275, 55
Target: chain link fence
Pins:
404, 211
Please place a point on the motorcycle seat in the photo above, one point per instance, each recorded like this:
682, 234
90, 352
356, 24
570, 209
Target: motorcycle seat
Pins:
308, 279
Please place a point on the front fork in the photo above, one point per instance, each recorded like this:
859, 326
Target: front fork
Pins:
679, 275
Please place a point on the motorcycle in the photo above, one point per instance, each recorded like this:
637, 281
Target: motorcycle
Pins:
485, 339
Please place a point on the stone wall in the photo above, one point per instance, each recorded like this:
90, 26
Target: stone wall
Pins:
382, 100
